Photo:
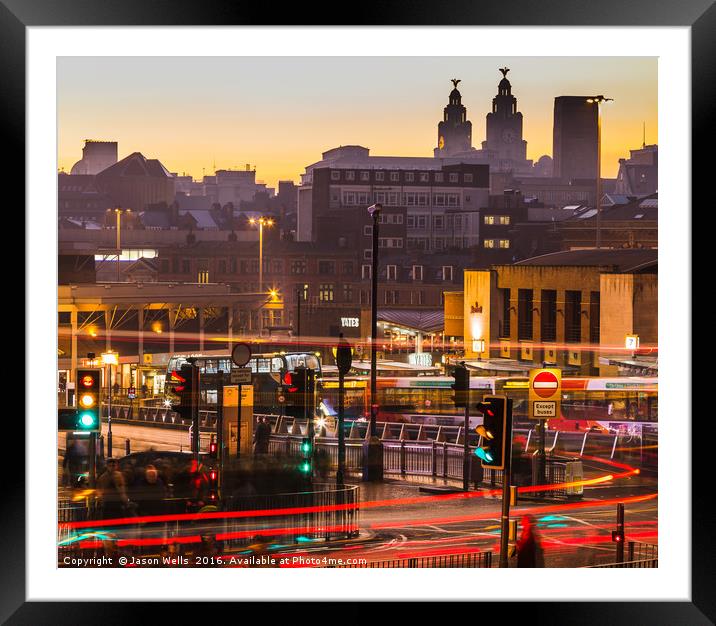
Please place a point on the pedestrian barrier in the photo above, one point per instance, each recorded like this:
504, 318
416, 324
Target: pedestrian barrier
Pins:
325, 513
637, 554
470, 559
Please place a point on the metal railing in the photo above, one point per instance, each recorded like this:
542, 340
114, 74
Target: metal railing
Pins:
470, 559
326, 513
637, 555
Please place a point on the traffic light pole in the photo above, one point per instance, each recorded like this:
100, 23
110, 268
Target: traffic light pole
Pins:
109, 410
541, 456
506, 481
92, 470
220, 422
194, 409
620, 531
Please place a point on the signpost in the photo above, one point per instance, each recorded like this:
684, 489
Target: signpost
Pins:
240, 375
230, 421
241, 354
242, 401
545, 394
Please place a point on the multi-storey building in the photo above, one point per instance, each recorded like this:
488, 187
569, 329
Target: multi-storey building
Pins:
96, 156
571, 309
639, 174
423, 191
575, 138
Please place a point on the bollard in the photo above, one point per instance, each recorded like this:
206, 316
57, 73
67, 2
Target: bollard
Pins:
101, 446
126, 447
402, 456
445, 459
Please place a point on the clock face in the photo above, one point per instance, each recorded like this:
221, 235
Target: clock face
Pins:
509, 135
441, 142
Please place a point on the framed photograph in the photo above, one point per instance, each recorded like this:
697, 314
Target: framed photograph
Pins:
379, 298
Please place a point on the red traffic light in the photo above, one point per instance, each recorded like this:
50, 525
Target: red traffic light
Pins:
88, 380
617, 536
287, 378
179, 380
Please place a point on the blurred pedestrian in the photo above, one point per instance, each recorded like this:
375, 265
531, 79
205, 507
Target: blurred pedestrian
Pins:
149, 492
71, 464
262, 436
112, 491
529, 550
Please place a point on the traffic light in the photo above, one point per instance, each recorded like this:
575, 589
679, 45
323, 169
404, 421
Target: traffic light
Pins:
461, 385
493, 431
184, 386
618, 536
296, 380
88, 401
306, 463
213, 447
213, 485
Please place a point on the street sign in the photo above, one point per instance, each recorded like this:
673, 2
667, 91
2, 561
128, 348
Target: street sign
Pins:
241, 354
545, 392
132, 393
631, 342
240, 375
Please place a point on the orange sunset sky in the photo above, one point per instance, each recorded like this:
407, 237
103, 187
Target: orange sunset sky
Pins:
280, 113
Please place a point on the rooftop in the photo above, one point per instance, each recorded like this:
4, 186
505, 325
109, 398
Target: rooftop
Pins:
617, 259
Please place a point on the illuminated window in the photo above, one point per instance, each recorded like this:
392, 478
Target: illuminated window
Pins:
325, 292
504, 219
504, 243
489, 243
204, 276
489, 219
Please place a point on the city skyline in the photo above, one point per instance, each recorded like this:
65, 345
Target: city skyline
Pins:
279, 114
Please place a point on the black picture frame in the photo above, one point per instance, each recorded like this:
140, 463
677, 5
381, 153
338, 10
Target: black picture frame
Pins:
699, 15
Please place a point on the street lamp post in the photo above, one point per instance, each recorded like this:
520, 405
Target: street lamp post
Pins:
119, 212
373, 448
598, 100
109, 358
261, 221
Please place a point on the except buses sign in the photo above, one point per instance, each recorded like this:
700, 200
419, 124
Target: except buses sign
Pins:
545, 393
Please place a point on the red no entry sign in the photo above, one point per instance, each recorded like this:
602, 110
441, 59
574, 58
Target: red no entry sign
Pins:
545, 384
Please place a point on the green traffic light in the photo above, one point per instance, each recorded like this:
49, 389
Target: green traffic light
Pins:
484, 455
305, 467
87, 420
305, 447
